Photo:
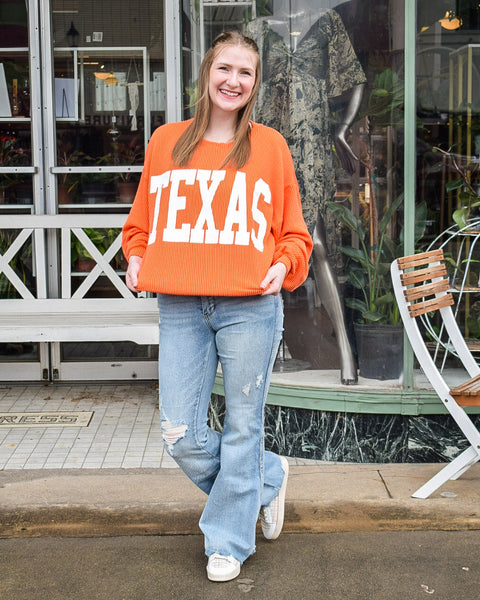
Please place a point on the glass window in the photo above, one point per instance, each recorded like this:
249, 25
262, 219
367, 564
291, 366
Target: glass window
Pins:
16, 164
109, 96
448, 154
332, 84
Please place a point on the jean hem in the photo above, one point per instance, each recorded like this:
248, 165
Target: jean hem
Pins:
209, 553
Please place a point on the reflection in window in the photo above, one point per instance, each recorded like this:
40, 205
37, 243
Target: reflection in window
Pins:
448, 151
332, 84
109, 95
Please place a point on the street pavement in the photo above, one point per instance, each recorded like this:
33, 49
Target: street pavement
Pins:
405, 565
131, 533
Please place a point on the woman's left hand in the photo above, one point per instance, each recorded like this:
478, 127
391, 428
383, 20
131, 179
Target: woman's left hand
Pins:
272, 284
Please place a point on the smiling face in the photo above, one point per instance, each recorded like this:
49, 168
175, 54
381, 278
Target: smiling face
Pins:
232, 78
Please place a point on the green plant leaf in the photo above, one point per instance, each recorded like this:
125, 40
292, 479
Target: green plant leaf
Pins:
420, 221
460, 217
347, 218
356, 304
385, 300
455, 184
473, 325
372, 317
387, 217
355, 254
356, 275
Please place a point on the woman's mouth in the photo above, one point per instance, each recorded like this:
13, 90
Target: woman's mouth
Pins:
229, 93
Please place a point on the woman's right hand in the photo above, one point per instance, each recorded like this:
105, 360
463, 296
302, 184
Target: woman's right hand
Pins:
133, 268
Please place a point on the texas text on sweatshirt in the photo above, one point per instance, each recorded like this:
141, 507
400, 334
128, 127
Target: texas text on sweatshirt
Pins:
206, 229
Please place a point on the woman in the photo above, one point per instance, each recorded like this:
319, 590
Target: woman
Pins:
216, 230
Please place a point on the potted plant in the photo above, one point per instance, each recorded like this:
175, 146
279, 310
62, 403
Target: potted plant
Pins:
6, 182
368, 272
82, 260
375, 240
11, 154
128, 153
21, 263
98, 187
67, 157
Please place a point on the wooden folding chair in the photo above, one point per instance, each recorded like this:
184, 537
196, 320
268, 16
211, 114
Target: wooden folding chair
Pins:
421, 286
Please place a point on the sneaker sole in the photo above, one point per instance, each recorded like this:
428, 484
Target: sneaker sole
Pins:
281, 500
220, 578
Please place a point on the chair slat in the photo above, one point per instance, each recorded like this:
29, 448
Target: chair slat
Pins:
432, 272
467, 393
420, 308
428, 289
423, 258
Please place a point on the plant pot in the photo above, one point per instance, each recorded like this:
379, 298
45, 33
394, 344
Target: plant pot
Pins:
379, 351
23, 193
84, 264
97, 192
127, 191
62, 193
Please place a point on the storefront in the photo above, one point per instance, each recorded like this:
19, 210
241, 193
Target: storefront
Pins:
378, 100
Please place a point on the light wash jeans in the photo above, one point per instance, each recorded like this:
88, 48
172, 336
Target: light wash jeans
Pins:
232, 467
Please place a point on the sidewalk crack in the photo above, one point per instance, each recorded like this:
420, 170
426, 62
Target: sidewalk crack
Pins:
385, 484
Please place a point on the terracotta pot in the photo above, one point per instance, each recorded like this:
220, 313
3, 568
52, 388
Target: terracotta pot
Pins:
84, 264
127, 191
62, 193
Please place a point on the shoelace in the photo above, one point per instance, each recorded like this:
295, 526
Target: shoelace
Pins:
220, 562
266, 515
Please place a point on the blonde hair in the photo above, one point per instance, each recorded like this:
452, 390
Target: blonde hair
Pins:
189, 140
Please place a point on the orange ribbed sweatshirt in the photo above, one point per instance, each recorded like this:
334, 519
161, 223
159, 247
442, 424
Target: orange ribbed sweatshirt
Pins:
208, 230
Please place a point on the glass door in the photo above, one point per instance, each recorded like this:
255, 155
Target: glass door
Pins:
82, 86
108, 95
21, 176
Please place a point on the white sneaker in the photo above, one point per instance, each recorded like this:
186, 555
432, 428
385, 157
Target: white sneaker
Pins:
222, 568
271, 516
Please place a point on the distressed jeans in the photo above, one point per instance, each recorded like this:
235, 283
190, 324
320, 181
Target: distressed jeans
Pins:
232, 467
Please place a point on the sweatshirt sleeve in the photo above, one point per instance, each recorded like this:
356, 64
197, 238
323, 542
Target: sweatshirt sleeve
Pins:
293, 243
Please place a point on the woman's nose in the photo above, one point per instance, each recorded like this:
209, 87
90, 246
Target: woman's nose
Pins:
232, 79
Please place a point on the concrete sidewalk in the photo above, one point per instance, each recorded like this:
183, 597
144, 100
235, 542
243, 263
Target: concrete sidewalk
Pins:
326, 497
110, 476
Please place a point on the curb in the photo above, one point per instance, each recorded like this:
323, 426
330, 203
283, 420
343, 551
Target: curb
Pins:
320, 499
77, 521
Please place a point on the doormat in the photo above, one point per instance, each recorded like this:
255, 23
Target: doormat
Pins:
54, 419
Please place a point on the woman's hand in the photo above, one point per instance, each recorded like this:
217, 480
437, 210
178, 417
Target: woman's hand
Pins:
272, 284
131, 277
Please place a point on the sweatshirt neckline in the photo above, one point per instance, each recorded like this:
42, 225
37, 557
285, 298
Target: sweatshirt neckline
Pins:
224, 144
219, 144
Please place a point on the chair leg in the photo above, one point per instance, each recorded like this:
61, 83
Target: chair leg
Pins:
451, 471
465, 468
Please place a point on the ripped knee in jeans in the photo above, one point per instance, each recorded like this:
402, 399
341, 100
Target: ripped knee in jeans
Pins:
172, 432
